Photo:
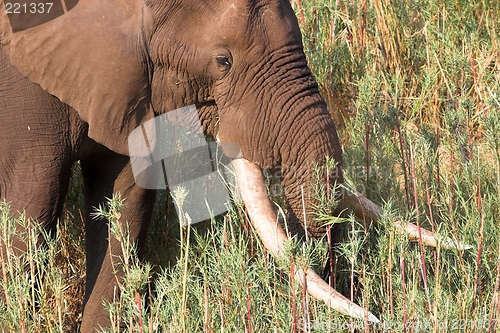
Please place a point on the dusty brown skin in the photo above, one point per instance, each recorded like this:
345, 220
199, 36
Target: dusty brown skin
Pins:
113, 65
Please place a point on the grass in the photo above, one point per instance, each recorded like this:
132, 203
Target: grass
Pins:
414, 88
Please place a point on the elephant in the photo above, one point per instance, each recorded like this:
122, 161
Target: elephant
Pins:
75, 85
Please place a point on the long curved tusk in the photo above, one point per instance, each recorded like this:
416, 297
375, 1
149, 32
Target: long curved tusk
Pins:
366, 209
264, 220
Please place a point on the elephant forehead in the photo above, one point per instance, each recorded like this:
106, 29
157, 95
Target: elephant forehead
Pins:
230, 24
256, 21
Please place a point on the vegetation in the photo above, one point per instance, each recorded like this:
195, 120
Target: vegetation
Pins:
415, 89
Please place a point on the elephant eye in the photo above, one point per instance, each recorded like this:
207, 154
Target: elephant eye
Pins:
224, 62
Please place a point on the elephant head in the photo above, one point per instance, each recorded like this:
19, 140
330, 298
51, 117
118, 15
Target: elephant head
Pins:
121, 63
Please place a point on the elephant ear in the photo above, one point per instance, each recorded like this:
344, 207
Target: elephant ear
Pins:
93, 58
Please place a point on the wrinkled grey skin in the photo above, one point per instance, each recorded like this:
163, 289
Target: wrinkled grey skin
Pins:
75, 87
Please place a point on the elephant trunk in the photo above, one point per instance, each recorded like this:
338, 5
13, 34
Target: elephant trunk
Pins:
316, 139
301, 182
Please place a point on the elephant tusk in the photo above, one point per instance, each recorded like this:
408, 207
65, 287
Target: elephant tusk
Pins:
260, 210
366, 209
